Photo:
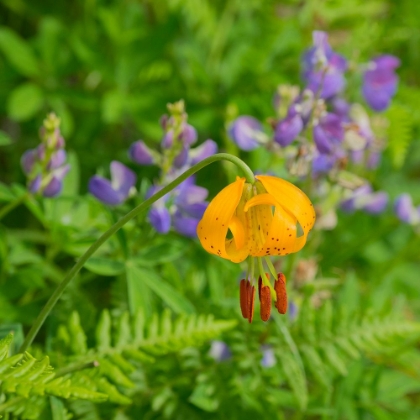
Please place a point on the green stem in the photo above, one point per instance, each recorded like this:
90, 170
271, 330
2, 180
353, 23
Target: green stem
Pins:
249, 175
9, 207
76, 367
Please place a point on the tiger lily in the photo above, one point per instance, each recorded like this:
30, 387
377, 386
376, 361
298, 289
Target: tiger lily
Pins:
244, 220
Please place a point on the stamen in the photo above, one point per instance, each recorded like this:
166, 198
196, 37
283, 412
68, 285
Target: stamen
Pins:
243, 297
260, 282
265, 299
251, 296
281, 293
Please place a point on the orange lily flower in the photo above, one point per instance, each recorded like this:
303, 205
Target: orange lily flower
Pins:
270, 217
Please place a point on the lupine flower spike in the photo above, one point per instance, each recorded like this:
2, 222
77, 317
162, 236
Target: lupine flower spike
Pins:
45, 166
269, 217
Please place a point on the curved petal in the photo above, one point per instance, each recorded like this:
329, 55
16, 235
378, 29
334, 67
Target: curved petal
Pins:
291, 198
160, 219
213, 227
53, 188
122, 178
28, 160
190, 194
141, 154
195, 210
102, 189
207, 149
185, 225
280, 238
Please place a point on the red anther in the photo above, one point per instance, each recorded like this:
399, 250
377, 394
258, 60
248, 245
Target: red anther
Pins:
281, 293
243, 297
251, 296
265, 299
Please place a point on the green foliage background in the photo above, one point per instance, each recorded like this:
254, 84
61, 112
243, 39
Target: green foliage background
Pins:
109, 68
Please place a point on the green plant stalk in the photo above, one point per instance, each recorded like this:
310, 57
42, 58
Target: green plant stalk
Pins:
249, 175
13, 204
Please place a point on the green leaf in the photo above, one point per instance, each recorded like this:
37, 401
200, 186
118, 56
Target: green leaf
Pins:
295, 378
6, 193
57, 409
18, 52
5, 346
164, 290
316, 365
5, 140
104, 266
78, 336
25, 101
103, 331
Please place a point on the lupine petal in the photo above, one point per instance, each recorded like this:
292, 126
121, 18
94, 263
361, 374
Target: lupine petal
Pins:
102, 189
28, 160
141, 154
160, 219
53, 188
288, 129
57, 159
377, 203
244, 132
205, 150
188, 135
182, 158
35, 184
403, 207
195, 210
191, 194
185, 225
122, 178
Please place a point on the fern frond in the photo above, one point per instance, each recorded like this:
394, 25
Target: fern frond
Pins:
26, 381
399, 133
125, 341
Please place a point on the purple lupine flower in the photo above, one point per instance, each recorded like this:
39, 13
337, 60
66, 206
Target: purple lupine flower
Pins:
182, 158
328, 133
363, 198
141, 154
380, 81
182, 208
160, 218
340, 107
322, 164
57, 160
292, 311
246, 132
268, 358
205, 150
289, 128
187, 136
117, 190
55, 184
35, 184
219, 351
190, 207
45, 166
405, 210
376, 203
323, 68
28, 160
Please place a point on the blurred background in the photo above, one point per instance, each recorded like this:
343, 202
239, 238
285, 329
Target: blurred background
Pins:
108, 69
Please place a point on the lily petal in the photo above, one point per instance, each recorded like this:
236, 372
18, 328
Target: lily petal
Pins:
213, 227
290, 198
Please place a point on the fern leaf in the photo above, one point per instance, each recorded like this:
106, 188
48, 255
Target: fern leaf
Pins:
399, 133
